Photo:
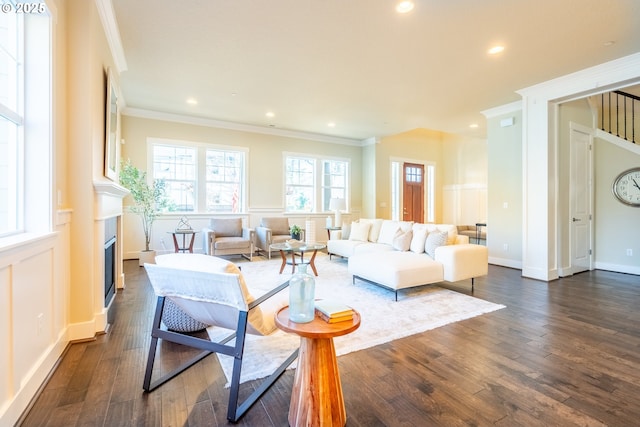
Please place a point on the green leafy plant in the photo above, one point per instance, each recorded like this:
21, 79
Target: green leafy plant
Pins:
149, 199
295, 231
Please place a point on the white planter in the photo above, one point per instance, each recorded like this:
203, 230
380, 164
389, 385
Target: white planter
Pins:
147, 257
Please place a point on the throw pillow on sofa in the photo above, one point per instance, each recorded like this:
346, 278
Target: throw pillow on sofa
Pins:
360, 231
402, 240
434, 240
388, 232
419, 239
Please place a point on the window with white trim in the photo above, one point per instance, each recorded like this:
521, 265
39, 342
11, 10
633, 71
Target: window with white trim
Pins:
334, 181
176, 165
300, 176
201, 177
11, 123
311, 182
225, 176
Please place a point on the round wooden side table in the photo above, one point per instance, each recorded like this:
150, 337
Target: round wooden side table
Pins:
316, 397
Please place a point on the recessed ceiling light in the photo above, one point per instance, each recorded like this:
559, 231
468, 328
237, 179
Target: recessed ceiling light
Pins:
495, 49
270, 114
473, 125
331, 124
405, 6
192, 101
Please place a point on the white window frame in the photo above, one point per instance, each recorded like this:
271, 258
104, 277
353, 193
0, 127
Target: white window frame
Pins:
200, 201
12, 111
32, 167
318, 188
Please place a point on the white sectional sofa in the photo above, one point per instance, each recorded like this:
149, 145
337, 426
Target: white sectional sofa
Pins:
400, 254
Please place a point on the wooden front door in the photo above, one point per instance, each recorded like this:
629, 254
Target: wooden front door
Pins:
413, 192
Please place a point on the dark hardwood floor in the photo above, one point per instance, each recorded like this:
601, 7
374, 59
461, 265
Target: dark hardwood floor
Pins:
563, 353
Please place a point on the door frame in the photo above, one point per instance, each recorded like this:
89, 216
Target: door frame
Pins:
425, 199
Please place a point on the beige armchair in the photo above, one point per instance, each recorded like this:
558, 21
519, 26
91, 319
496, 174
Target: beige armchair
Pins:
227, 236
272, 230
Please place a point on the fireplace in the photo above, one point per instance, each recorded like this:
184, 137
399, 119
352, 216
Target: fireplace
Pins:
110, 228
109, 277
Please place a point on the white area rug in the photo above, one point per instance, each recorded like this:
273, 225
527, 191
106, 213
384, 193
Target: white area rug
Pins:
382, 318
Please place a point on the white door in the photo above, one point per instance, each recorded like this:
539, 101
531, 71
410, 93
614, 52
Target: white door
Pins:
581, 196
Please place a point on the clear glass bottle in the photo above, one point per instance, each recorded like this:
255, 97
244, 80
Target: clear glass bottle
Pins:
302, 287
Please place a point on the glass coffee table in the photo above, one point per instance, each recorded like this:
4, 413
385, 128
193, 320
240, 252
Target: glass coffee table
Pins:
298, 251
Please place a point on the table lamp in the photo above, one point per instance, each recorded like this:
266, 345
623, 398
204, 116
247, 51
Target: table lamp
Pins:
337, 205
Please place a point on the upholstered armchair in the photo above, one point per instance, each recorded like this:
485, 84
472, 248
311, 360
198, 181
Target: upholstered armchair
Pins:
227, 236
272, 230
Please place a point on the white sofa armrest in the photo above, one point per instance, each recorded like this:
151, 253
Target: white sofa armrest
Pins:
462, 262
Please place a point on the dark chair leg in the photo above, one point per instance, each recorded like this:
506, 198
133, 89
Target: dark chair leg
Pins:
234, 411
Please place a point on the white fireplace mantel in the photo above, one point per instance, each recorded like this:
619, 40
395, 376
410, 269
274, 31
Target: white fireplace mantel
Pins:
109, 197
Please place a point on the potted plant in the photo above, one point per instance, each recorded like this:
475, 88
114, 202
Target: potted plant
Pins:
295, 232
149, 200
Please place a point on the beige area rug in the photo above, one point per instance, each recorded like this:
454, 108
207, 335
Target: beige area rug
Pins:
382, 318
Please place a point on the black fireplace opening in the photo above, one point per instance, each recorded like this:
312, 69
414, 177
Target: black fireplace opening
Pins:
109, 270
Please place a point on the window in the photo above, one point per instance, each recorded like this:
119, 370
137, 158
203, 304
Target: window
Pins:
300, 178
11, 121
177, 167
200, 177
225, 172
334, 181
309, 189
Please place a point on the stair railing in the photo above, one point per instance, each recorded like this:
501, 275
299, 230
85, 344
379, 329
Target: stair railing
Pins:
618, 114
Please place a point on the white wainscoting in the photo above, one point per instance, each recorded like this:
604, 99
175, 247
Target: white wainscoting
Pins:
464, 204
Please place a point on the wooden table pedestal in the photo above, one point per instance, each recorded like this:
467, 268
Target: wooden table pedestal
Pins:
316, 397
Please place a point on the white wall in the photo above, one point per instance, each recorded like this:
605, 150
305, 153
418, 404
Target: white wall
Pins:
504, 219
266, 174
616, 225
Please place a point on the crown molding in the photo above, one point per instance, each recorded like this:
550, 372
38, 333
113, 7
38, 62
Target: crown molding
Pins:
112, 33
221, 124
603, 77
503, 109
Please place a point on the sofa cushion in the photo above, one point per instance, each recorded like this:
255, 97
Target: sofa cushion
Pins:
278, 225
224, 243
435, 240
419, 238
389, 228
227, 227
369, 247
343, 248
402, 240
388, 231
452, 231
360, 231
346, 231
374, 231
396, 270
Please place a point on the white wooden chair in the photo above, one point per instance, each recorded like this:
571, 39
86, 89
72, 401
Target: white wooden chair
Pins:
212, 291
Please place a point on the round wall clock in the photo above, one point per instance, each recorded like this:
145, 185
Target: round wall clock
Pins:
626, 187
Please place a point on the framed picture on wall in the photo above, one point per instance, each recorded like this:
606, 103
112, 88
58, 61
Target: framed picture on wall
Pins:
112, 129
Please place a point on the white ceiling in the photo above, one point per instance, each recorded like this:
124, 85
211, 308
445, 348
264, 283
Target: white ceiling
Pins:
358, 63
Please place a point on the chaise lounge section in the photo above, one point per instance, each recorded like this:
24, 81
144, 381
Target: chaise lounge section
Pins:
399, 254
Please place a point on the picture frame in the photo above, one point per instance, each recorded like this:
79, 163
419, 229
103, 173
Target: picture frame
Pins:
112, 129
